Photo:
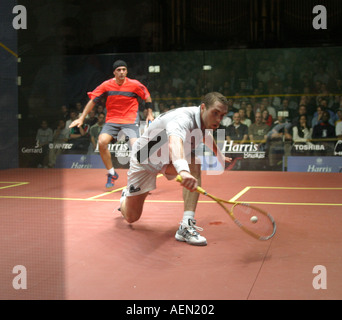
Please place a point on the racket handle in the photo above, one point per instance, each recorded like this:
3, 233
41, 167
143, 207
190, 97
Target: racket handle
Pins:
199, 189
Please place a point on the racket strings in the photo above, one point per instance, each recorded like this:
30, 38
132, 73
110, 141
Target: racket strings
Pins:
253, 219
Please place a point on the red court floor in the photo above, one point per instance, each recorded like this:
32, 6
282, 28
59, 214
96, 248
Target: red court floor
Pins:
62, 227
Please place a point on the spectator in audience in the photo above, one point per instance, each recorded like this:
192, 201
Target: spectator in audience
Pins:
317, 118
79, 108
288, 113
65, 115
338, 116
324, 134
250, 112
95, 131
78, 135
324, 129
302, 110
44, 136
267, 118
60, 136
99, 109
325, 105
91, 118
243, 118
258, 131
301, 132
265, 105
237, 134
338, 130
237, 131
279, 139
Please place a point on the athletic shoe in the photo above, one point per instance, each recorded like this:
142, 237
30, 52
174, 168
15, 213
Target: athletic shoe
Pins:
187, 232
110, 179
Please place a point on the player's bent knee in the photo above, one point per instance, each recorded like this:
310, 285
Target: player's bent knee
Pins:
132, 216
133, 207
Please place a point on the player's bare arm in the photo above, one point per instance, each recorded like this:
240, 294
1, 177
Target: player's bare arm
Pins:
149, 116
176, 152
78, 122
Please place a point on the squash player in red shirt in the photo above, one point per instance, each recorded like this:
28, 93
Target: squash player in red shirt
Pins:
122, 106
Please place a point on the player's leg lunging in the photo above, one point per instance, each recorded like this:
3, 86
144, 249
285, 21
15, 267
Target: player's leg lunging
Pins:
104, 140
188, 231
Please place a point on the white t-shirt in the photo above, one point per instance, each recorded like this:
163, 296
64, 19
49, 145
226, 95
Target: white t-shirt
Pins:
152, 148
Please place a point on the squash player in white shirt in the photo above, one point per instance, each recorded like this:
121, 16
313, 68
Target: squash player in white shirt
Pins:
166, 147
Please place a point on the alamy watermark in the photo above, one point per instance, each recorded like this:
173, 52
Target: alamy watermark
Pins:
320, 281
318, 22
20, 20
20, 280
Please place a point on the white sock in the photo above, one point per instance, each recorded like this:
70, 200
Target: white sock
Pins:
111, 171
188, 215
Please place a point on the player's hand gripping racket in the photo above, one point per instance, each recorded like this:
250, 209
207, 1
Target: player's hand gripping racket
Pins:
253, 220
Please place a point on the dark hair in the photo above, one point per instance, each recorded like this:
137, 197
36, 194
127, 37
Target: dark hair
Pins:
211, 97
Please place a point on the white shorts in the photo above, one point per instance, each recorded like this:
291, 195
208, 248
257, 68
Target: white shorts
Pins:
141, 178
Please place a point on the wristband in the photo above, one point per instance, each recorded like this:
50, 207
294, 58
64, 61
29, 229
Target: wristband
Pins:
181, 165
148, 105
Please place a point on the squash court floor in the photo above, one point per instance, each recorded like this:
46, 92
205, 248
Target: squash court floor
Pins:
60, 229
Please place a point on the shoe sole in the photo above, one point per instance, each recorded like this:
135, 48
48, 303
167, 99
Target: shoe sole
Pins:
182, 239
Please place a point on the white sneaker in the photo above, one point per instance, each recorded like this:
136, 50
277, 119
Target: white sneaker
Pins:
187, 232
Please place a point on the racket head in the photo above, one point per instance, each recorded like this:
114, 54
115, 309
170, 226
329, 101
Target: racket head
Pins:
253, 220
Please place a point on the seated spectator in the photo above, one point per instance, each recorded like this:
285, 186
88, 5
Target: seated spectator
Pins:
60, 136
338, 130
65, 115
79, 107
324, 129
271, 110
302, 110
237, 131
301, 132
100, 108
338, 116
279, 140
91, 118
324, 133
317, 118
267, 118
258, 132
243, 118
44, 137
95, 131
288, 113
250, 112
79, 136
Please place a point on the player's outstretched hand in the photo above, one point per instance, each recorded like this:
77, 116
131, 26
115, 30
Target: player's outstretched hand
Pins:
77, 122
